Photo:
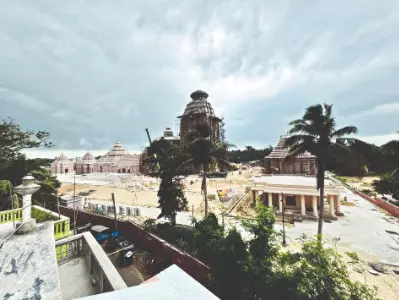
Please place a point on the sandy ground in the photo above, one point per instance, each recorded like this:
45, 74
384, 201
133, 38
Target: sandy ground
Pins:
142, 191
362, 229
361, 182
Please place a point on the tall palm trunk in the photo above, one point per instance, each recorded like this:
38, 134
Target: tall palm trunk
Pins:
321, 212
204, 169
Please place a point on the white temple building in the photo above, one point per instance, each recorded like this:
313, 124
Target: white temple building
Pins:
299, 194
117, 160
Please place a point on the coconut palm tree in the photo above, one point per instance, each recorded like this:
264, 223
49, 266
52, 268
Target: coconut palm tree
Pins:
202, 152
316, 133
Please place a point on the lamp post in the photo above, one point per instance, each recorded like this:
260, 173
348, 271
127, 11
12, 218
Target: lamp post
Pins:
283, 209
26, 189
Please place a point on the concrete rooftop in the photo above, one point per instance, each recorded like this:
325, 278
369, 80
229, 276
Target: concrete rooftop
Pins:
295, 180
75, 279
28, 265
171, 284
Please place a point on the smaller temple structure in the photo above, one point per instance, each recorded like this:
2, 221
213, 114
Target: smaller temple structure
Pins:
168, 136
62, 165
277, 163
117, 160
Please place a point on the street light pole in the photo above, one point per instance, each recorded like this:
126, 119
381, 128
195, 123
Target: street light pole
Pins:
283, 209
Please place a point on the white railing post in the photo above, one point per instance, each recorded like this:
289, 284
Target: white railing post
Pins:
26, 189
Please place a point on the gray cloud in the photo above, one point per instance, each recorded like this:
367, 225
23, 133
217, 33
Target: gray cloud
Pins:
91, 73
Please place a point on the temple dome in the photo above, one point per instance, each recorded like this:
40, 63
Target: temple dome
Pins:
88, 157
199, 95
117, 150
199, 105
62, 157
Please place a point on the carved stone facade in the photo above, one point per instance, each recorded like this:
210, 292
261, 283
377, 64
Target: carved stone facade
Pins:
277, 163
117, 160
62, 165
199, 111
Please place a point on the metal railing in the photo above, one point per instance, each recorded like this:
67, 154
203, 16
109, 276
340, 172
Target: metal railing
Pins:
61, 226
6, 216
100, 267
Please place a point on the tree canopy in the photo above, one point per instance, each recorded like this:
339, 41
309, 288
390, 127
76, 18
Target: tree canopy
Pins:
259, 268
317, 133
13, 139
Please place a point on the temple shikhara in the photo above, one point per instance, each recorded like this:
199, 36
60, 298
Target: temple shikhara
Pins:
278, 163
117, 160
199, 111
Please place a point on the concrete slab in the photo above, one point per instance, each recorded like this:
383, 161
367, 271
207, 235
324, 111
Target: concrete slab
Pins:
171, 284
75, 279
28, 265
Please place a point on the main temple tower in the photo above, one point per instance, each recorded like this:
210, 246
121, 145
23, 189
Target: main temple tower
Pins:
199, 111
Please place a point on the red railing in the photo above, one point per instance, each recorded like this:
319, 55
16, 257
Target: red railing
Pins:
392, 209
147, 241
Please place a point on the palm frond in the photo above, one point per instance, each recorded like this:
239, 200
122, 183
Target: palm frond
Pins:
296, 150
185, 164
347, 130
395, 172
224, 164
295, 139
327, 110
314, 114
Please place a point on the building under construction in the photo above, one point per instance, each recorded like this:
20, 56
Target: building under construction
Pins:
278, 163
199, 111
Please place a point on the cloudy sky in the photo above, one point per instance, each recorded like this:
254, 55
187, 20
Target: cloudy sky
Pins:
90, 72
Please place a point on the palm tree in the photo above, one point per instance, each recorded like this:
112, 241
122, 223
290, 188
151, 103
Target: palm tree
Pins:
202, 152
316, 133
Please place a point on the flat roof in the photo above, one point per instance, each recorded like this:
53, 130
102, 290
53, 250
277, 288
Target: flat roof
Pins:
293, 180
28, 266
171, 284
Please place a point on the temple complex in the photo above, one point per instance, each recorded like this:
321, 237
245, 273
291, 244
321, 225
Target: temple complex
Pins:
277, 163
297, 194
199, 111
117, 160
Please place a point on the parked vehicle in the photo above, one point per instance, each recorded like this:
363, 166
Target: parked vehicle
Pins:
125, 257
103, 233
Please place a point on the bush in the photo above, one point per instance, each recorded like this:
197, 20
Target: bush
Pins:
369, 193
42, 216
258, 269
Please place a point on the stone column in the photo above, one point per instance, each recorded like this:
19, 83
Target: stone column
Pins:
303, 205
280, 203
26, 189
314, 206
332, 206
270, 199
254, 194
338, 204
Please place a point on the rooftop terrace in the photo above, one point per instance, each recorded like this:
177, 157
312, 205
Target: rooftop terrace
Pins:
28, 265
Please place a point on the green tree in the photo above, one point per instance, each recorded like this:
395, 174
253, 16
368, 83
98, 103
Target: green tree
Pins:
316, 132
226, 254
248, 154
7, 195
46, 195
171, 198
320, 273
13, 139
388, 185
204, 153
